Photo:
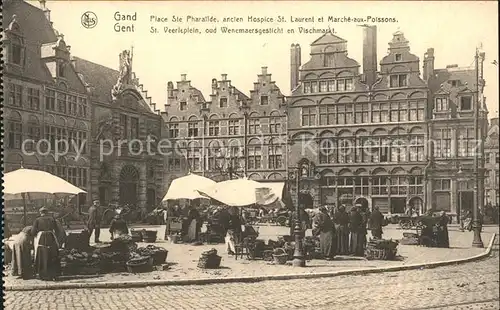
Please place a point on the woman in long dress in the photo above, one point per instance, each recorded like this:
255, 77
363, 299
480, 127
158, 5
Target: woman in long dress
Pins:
443, 240
325, 228
22, 264
341, 220
234, 231
194, 224
46, 230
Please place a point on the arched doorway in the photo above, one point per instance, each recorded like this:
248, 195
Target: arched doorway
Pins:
417, 204
129, 178
362, 202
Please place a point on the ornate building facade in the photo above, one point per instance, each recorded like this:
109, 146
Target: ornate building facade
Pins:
454, 94
492, 163
232, 135
358, 138
45, 103
126, 163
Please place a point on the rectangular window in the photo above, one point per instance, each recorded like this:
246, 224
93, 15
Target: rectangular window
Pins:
384, 112
394, 112
416, 150
467, 142
275, 125
327, 115
348, 84
323, 86
340, 85
15, 94
72, 105
398, 80
441, 104
308, 116
223, 102
349, 114
183, 106
466, 103
376, 112
442, 184
213, 128
192, 129
264, 100
173, 130
341, 114
15, 135
34, 99
314, 87
134, 128
254, 126
123, 125
255, 157
331, 86
442, 147
50, 100
61, 102
307, 87
82, 107
234, 127
398, 57
275, 157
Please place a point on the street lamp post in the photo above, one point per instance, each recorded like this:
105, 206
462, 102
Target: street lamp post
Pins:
298, 254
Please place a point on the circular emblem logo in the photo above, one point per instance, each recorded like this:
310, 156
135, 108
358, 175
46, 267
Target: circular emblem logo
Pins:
89, 20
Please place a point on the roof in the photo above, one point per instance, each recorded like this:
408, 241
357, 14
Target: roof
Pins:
240, 95
328, 38
36, 30
464, 75
100, 78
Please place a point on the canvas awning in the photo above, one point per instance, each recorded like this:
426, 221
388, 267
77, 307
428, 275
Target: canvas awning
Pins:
187, 187
276, 187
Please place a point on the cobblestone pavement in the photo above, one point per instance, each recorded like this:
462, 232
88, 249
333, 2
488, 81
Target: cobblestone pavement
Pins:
466, 286
184, 259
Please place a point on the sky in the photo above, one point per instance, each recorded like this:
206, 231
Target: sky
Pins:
453, 29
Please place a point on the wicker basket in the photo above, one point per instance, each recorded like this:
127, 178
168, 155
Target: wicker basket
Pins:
280, 259
136, 235
144, 265
160, 257
149, 236
209, 261
380, 254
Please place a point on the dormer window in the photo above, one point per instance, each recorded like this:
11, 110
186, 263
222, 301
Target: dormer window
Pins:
223, 103
264, 100
15, 43
16, 55
61, 70
455, 83
466, 103
441, 104
183, 106
398, 57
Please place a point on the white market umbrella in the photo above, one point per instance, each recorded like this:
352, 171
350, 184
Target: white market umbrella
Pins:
36, 183
187, 187
241, 192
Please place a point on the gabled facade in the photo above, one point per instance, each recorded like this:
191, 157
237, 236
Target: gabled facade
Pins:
359, 138
45, 99
127, 166
232, 134
454, 93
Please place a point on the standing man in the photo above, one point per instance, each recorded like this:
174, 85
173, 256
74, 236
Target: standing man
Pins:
376, 222
94, 223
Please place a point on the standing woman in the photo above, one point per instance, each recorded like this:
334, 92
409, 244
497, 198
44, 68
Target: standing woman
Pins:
194, 224
325, 228
45, 230
234, 231
341, 221
22, 265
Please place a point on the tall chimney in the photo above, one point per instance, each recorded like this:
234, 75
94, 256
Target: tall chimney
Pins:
428, 64
370, 54
44, 9
295, 63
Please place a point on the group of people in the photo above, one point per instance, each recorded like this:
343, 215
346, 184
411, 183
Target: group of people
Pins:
341, 232
46, 236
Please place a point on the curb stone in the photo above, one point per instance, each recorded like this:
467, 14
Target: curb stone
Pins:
249, 279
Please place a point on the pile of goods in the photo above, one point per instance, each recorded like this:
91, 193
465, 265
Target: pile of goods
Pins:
381, 249
410, 239
312, 247
209, 260
120, 255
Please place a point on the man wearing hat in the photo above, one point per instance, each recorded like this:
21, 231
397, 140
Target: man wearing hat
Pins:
94, 222
45, 230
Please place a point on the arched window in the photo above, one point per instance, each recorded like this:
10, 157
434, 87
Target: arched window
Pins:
254, 154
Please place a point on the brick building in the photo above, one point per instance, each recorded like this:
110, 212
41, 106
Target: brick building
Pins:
44, 97
232, 134
124, 118
358, 138
492, 163
454, 94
